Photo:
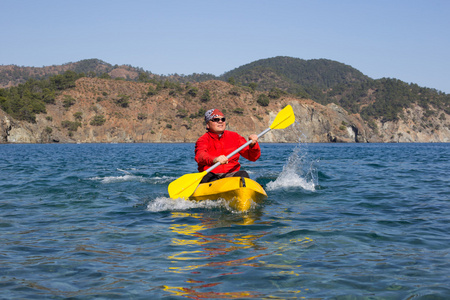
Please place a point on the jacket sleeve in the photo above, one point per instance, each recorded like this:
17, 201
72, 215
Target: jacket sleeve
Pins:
201, 153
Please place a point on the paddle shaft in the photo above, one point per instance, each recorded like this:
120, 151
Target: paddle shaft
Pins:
237, 150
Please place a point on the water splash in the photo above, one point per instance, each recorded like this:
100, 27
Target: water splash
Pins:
168, 204
299, 171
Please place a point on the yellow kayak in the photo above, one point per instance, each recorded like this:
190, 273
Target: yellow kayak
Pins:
239, 192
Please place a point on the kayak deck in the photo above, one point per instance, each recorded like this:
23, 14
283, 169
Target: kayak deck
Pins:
239, 192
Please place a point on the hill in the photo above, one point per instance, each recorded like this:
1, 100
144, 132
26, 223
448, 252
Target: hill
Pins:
381, 103
324, 81
71, 108
295, 75
12, 75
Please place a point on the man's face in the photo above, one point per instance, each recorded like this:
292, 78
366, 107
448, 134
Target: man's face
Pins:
217, 125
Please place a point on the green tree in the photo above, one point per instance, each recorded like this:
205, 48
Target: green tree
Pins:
71, 126
143, 77
193, 92
48, 96
263, 100
206, 96
151, 91
65, 81
231, 81
68, 101
276, 93
253, 86
98, 120
123, 101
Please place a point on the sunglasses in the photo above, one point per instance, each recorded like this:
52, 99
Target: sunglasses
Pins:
216, 120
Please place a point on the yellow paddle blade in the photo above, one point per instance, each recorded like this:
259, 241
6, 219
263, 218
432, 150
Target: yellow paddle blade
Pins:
284, 118
185, 186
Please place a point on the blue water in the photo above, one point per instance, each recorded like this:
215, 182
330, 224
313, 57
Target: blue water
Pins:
342, 221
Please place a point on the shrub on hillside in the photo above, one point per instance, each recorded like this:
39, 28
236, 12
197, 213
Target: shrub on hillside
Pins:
98, 120
78, 115
68, 101
206, 96
123, 101
263, 100
71, 126
193, 92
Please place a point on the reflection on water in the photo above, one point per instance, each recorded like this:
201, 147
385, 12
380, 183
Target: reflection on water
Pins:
194, 294
222, 256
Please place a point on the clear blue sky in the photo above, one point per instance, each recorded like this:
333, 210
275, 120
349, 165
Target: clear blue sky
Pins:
404, 39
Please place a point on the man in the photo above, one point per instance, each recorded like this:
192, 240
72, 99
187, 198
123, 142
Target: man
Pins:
217, 143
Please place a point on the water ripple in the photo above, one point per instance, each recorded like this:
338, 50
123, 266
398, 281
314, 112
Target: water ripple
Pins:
341, 222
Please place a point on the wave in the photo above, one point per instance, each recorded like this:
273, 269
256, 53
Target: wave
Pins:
299, 171
156, 179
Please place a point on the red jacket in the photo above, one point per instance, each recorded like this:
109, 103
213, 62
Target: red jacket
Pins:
210, 145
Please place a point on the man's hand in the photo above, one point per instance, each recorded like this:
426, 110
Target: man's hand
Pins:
222, 159
253, 138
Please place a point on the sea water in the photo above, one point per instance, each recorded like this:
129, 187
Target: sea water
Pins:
342, 221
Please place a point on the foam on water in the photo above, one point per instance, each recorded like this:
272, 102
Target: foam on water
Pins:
114, 179
299, 171
168, 204
132, 177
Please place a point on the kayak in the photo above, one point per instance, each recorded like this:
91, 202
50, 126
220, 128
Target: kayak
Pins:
239, 192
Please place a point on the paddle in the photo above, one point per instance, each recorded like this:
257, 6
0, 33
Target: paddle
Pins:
185, 186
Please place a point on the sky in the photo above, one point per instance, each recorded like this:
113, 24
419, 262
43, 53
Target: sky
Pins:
404, 39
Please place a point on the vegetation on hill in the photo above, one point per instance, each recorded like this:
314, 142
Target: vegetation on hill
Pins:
295, 74
26, 100
324, 81
14, 75
385, 98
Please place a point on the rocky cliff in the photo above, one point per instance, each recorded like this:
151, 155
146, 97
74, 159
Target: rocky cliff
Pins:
104, 111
